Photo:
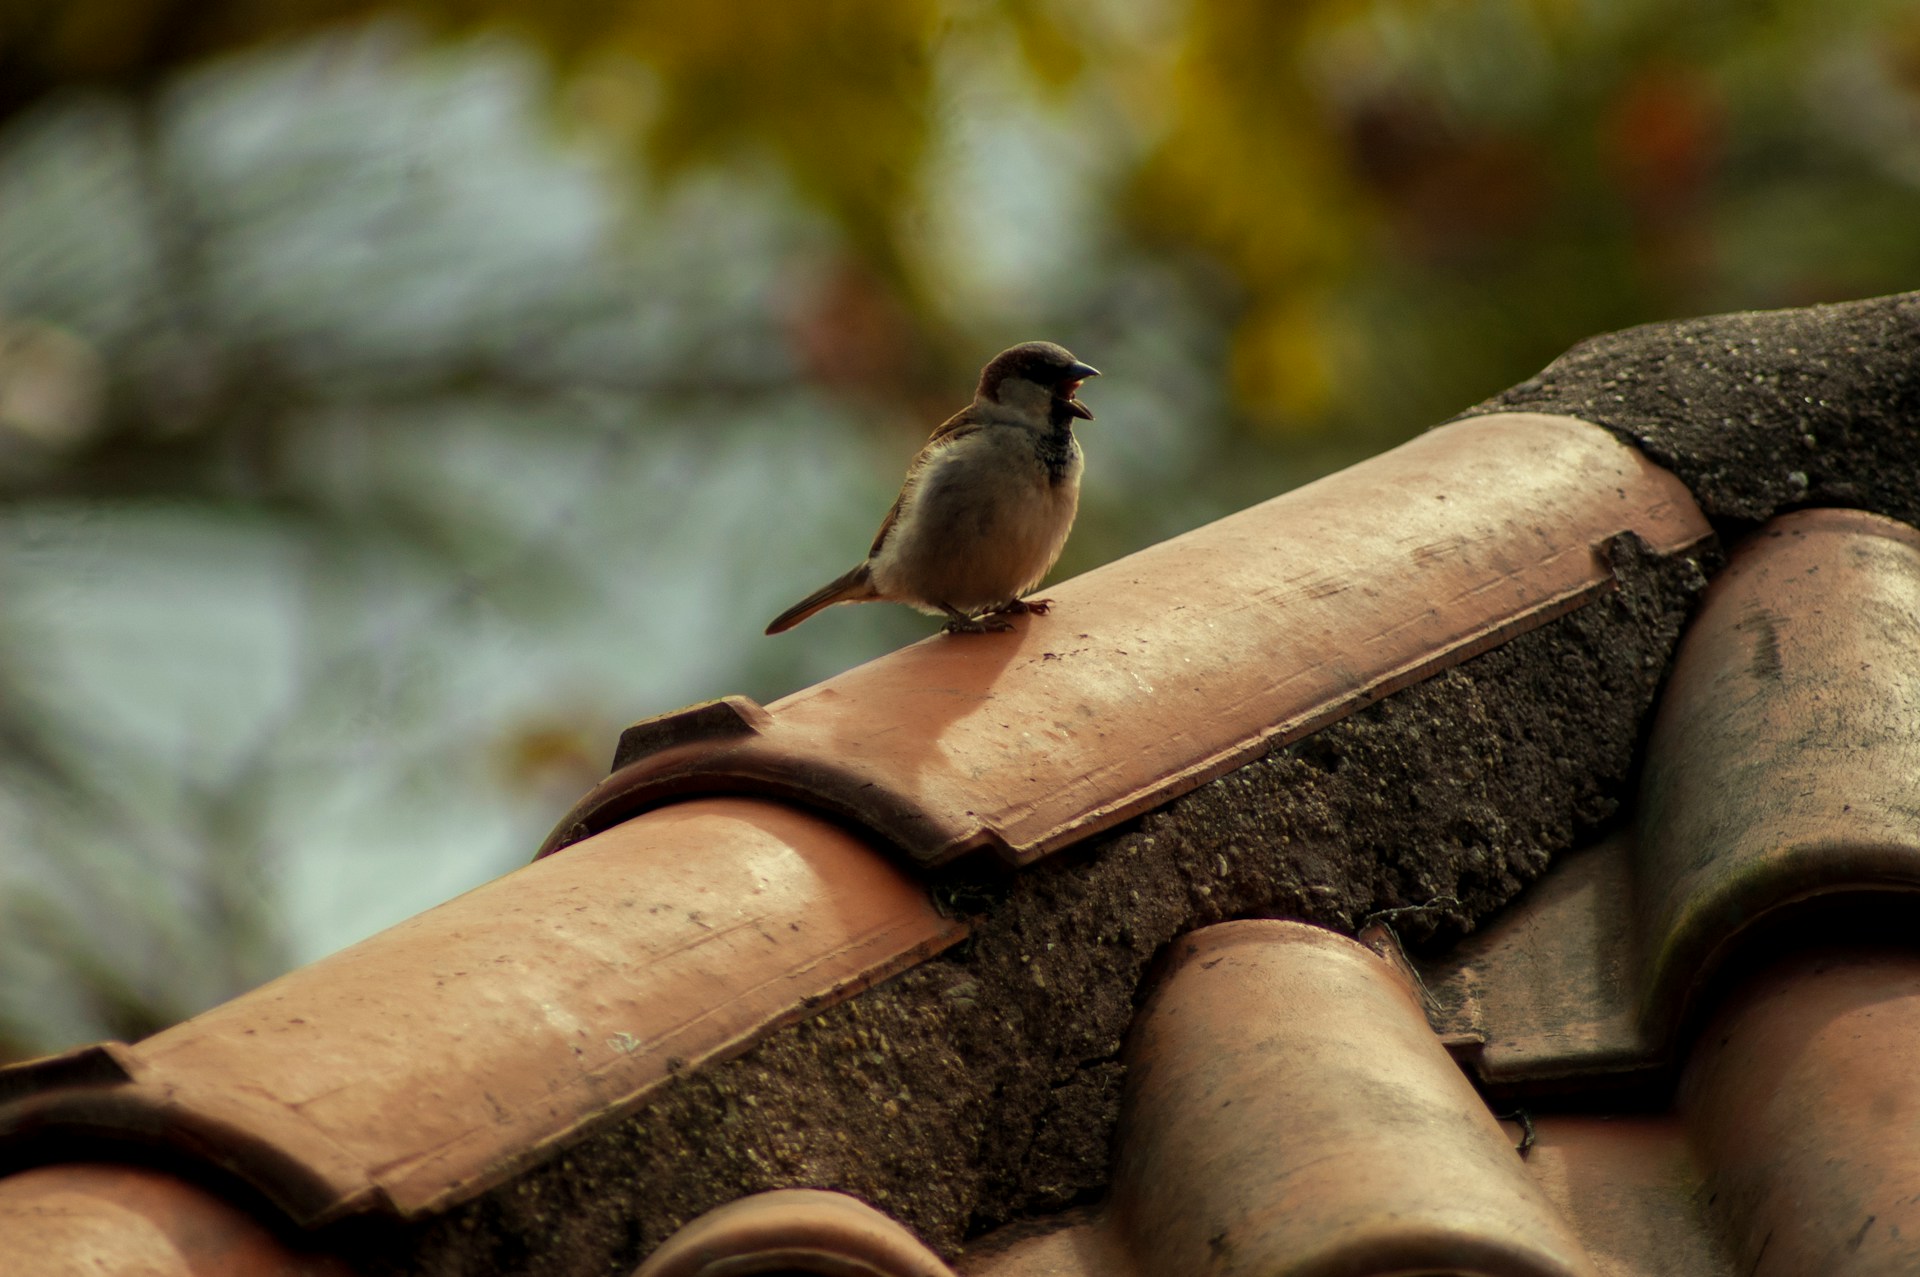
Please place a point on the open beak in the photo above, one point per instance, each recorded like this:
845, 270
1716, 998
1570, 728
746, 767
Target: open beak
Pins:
1070, 386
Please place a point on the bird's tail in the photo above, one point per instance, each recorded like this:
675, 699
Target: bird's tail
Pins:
855, 587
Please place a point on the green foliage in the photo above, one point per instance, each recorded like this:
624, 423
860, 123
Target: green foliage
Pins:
1341, 164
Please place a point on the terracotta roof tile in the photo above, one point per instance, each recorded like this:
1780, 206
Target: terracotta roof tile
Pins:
1287, 616
1289, 1110
1781, 767
436, 1057
1632, 1189
85, 1220
1802, 1102
794, 1231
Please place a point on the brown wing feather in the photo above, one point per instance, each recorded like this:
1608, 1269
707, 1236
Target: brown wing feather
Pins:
958, 426
964, 422
886, 524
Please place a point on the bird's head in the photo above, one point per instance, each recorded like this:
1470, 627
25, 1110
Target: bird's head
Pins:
1037, 378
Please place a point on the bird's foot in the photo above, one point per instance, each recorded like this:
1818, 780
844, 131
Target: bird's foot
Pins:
1016, 607
978, 625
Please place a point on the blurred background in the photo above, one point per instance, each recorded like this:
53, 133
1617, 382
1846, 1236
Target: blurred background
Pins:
398, 398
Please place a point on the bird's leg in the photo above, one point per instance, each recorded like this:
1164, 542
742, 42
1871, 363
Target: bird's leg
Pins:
959, 622
1017, 607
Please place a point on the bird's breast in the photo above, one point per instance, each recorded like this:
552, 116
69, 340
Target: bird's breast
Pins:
985, 519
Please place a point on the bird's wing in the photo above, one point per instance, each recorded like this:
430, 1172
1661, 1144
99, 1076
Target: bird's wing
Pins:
886, 524
953, 429
959, 425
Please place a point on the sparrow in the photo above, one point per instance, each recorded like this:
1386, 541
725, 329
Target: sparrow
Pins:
987, 503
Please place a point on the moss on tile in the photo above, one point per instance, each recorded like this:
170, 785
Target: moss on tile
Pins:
982, 1087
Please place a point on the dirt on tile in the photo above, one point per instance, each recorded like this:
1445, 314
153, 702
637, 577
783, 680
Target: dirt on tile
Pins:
982, 1086
1758, 412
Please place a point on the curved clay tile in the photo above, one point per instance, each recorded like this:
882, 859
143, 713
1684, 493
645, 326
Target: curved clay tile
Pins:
82, 1218
1801, 1100
1780, 769
1288, 1110
1784, 755
794, 1231
1632, 1188
436, 1058
1167, 668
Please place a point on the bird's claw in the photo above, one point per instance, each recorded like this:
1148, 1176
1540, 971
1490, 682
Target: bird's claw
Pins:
978, 625
1019, 607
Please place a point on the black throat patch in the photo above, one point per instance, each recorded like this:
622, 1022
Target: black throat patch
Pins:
1056, 447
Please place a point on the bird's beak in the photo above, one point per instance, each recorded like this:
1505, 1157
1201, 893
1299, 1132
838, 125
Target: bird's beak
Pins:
1070, 386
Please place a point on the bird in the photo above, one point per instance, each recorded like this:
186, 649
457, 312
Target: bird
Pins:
986, 505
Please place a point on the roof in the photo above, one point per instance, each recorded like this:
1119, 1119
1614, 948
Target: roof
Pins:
1709, 1016
986, 932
